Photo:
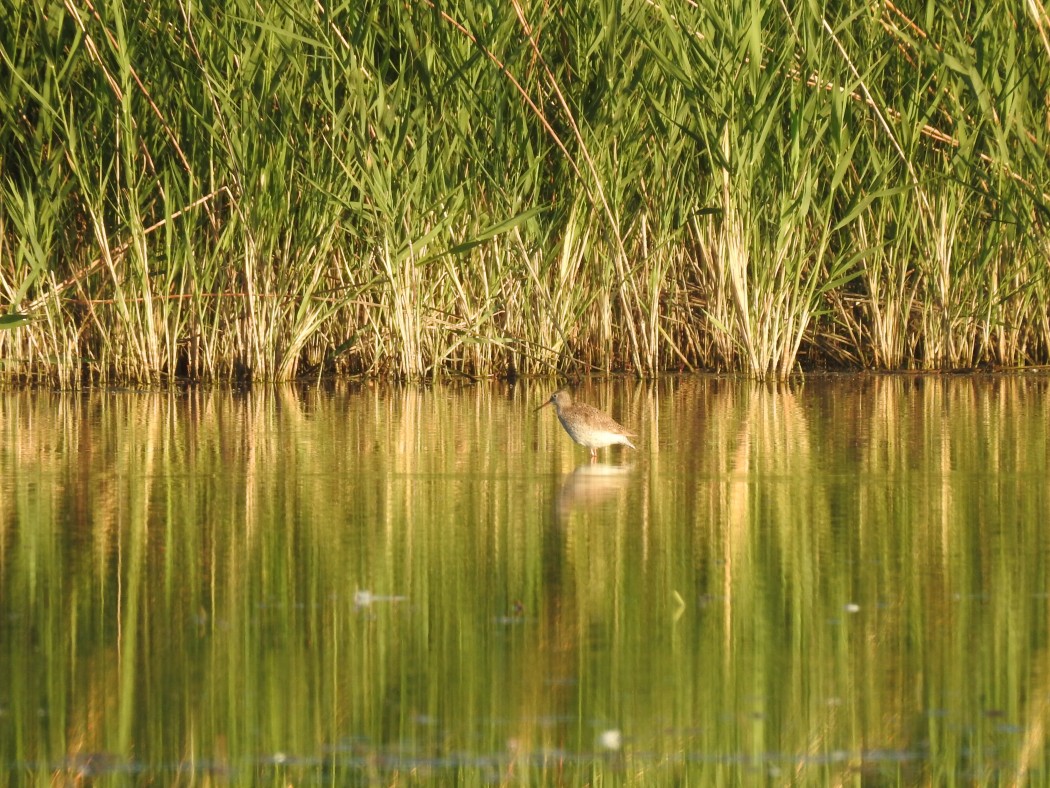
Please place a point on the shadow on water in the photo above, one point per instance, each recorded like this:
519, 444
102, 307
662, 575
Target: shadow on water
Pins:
841, 580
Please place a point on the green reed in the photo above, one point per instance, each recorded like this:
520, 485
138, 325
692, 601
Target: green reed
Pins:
413, 191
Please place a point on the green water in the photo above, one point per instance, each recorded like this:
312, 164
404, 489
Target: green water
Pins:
841, 581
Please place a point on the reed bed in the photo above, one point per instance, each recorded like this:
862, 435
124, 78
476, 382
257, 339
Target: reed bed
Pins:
263, 192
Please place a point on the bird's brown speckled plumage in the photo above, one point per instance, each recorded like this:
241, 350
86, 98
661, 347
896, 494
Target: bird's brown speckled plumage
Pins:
587, 425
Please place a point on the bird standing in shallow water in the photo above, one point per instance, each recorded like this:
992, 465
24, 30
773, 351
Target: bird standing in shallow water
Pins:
587, 425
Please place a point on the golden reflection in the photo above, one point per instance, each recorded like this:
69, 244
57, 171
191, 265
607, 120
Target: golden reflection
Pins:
796, 578
590, 485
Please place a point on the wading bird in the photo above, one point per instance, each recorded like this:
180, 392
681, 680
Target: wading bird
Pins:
587, 425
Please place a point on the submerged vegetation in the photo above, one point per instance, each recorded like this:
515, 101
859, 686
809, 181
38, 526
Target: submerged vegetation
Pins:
221, 191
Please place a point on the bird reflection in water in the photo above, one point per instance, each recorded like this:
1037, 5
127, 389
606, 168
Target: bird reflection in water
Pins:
590, 485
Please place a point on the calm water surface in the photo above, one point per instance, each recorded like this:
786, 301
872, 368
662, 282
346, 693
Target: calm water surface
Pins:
841, 581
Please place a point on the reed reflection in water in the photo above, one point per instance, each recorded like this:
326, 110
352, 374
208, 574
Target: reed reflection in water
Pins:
831, 581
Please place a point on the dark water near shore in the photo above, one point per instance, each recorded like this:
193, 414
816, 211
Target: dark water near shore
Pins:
844, 580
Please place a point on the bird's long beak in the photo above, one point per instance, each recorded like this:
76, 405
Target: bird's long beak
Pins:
545, 404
